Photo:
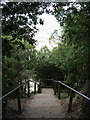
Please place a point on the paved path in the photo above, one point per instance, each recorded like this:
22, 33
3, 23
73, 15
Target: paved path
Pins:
44, 105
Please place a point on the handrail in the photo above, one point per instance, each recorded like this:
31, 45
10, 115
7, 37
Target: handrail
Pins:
73, 89
57, 89
11, 91
15, 89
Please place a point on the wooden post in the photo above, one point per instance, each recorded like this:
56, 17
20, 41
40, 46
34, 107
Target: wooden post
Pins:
28, 89
46, 83
39, 87
18, 100
24, 86
35, 88
21, 89
70, 101
54, 88
59, 90
53, 84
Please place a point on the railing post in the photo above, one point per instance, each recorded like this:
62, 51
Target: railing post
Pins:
35, 88
25, 88
18, 100
28, 89
59, 90
21, 89
53, 84
39, 87
54, 88
70, 101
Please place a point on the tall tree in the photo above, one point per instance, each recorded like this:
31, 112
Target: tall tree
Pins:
19, 19
74, 17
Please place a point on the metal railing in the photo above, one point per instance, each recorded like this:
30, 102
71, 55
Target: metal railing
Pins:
17, 90
57, 89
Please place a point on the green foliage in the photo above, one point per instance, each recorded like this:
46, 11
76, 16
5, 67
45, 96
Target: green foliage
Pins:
17, 66
55, 37
72, 53
45, 68
19, 19
64, 96
68, 61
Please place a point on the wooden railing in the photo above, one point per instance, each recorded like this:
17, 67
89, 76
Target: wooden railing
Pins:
18, 93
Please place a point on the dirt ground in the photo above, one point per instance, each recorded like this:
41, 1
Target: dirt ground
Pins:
76, 111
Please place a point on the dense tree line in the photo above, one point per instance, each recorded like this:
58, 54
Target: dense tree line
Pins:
19, 20
74, 17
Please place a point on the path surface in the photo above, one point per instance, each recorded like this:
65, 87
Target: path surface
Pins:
44, 105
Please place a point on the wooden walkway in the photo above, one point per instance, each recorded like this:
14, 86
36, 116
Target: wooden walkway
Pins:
44, 105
